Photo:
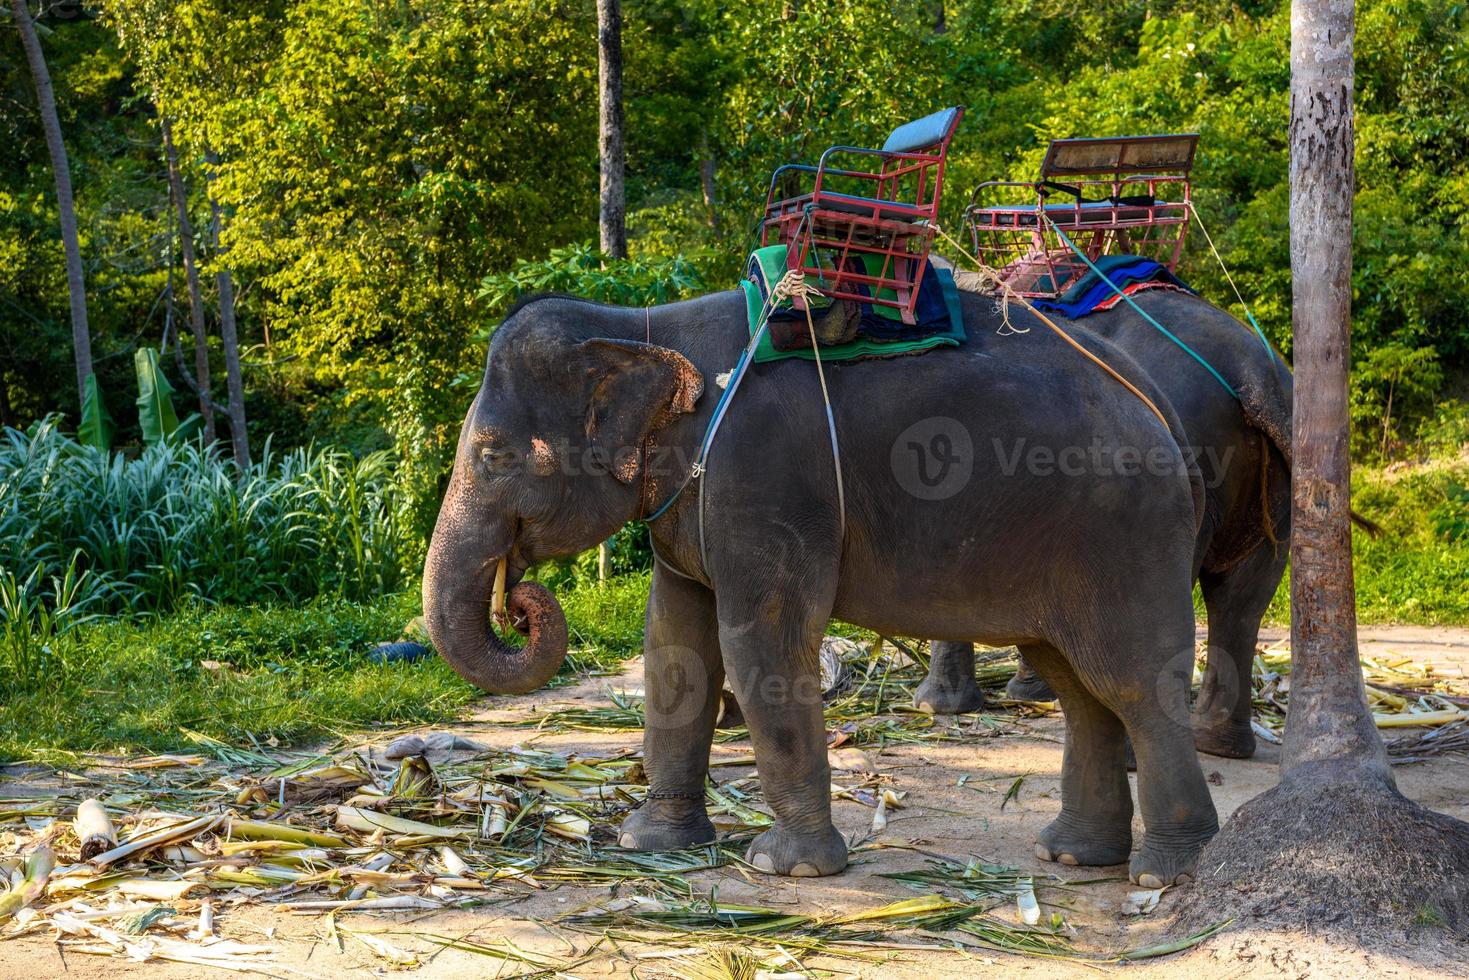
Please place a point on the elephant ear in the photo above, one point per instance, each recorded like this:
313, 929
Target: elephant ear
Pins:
634, 389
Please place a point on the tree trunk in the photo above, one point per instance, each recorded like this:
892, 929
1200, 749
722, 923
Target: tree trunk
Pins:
191, 274
239, 435
613, 214
7, 413
940, 18
706, 183
81, 336
1328, 718
1335, 848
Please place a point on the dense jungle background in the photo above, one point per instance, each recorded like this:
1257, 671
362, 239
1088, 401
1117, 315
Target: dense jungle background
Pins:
380, 179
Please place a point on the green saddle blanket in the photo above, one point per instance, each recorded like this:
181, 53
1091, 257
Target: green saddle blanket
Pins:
767, 265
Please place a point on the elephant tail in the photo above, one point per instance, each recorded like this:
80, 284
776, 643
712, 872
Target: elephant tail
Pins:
1270, 415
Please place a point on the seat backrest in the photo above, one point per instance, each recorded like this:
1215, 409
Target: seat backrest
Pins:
919, 134
1119, 155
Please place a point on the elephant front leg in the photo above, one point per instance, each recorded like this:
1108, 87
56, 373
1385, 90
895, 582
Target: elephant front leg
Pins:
683, 677
770, 648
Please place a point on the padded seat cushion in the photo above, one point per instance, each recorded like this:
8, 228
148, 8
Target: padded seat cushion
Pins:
1023, 215
920, 133
853, 204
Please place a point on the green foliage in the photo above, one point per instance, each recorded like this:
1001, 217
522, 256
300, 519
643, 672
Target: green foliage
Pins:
1392, 382
1416, 569
290, 671
1450, 519
393, 174
96, 427
180, 522
237, 675
156, 416
581, 270
606, 619
37, 618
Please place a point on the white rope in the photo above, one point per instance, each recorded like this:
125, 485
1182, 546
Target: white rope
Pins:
798, 287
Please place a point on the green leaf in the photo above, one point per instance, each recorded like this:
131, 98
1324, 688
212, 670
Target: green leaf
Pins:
156, 416
96, 427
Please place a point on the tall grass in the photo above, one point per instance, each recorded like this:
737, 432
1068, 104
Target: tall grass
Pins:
181, 523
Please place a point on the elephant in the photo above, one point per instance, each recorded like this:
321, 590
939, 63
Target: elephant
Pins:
1242, 445
591, 416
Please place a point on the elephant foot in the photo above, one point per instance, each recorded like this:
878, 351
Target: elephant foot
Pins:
1156, 865
730, 715
1228, 739
652, 828
938, 698
1073, 841
1027, 685
781, 852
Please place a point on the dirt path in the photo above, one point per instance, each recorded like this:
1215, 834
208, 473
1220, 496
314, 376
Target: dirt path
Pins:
946, 814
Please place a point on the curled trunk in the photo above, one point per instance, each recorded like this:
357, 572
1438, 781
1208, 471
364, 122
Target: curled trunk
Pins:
457, 581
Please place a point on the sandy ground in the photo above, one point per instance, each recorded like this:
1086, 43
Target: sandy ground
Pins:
942, 817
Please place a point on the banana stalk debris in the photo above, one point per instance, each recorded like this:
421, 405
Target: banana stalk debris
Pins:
154, 868
1401, 692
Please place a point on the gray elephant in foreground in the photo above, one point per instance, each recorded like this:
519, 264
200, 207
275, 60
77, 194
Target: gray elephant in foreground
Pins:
954, 527
1242, 446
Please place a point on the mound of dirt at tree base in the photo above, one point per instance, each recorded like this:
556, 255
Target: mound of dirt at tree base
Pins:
1340, 858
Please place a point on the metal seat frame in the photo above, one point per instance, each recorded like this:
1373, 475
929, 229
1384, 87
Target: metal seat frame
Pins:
1129, 195
826, 232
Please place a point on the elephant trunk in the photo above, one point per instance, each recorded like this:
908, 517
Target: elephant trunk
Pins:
457, 581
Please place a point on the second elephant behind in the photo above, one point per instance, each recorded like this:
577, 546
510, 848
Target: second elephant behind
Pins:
1241, 442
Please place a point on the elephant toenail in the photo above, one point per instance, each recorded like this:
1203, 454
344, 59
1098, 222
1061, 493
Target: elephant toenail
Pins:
1183, 879
628, 841
804, 870
1042, 852
1068, 859
1149, 881
763, 862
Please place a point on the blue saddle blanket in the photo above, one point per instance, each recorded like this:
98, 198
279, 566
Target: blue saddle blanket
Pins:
1091, 293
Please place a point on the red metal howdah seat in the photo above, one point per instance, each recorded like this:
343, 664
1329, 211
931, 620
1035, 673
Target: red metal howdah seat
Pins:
864, 234
1123, 195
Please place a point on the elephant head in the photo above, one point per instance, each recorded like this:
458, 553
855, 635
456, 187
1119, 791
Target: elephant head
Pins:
549, 463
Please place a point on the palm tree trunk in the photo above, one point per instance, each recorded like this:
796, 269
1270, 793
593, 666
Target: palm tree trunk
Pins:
191, 274
613, 214
81, 336
239, 436
1328, 719
1319, 841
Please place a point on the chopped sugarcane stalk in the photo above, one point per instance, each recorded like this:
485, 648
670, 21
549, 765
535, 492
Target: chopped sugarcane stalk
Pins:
94, 829
265, 830
35, 872
186, 830
368, 821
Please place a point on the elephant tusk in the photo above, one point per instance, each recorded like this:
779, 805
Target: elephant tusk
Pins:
497, 604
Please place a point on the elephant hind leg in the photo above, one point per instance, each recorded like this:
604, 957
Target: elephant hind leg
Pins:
1028, 685
1095, 824
1150, 696
1235, 600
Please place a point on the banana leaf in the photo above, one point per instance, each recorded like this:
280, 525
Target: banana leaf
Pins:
156, 416
96, 427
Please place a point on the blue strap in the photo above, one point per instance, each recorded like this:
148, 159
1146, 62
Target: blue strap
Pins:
1144, 313
734, 382
1258, 332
